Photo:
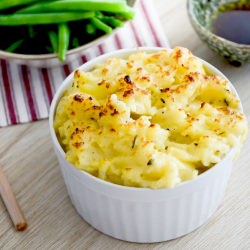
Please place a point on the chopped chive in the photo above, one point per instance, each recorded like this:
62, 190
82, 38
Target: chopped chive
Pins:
133, 144
150, 162
226, 102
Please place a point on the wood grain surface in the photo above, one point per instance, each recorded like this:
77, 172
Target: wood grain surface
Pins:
28, 160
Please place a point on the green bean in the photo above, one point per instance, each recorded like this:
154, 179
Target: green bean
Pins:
31, 31
15, 45
49, 49
128, 14
112, 21
100, 25
91, 29
113, 6
44, 18
53, 40
63, 40
98, 14
75, 42
5, 4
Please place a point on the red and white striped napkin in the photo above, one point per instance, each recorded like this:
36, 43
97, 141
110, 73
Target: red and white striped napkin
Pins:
26, 92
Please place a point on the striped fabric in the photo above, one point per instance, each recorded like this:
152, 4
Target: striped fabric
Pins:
26, 92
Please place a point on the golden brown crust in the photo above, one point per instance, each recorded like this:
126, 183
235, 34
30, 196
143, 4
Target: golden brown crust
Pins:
162, 108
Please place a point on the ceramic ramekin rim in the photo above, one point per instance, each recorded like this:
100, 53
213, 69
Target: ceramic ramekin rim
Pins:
88, 66
211, 34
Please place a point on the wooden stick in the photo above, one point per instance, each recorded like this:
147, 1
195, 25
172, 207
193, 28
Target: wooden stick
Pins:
11, 203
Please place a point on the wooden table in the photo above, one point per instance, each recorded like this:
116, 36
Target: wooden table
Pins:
28, 160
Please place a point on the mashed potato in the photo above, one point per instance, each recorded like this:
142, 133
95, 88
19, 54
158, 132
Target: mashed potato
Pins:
151, 120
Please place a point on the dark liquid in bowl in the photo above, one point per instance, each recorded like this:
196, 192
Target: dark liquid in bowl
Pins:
233, 23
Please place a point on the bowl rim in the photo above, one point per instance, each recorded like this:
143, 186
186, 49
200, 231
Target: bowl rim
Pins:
123, 53
192, 16
41, 57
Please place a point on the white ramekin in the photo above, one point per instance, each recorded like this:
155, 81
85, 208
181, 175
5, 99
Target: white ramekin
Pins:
141, 214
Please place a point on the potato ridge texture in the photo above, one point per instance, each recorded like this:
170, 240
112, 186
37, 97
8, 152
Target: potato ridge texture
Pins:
150, 120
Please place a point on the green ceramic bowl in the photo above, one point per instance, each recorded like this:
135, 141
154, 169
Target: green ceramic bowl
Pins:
200, 13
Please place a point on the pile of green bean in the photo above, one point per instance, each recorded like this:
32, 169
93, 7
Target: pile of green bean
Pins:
55, 26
